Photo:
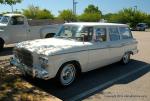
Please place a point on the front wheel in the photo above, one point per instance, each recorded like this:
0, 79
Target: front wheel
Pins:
126, 58
67, 75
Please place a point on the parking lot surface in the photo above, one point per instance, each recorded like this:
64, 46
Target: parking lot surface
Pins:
115, 82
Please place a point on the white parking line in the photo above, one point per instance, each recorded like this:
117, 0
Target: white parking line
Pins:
80, 96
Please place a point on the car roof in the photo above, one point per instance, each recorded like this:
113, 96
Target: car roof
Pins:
12, 14
142, 23
95, 24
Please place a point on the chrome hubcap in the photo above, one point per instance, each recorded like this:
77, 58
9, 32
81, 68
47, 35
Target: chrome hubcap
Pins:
126, 58
68, 74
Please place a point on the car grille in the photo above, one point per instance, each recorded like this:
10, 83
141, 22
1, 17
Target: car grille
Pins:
24, 56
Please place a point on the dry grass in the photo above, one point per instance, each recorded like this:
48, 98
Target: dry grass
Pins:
13, 88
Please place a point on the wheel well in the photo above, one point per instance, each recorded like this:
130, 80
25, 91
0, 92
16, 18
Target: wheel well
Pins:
77, 66
1, 40
130, 52
49, 35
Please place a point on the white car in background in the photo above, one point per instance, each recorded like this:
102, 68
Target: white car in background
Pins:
77, 48
16, 28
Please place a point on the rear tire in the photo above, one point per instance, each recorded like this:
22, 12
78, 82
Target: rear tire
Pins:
126, 58
50, 35
1, 44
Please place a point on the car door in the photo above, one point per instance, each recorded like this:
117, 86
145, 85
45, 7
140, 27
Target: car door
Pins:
115, 44
98, 51
17, 29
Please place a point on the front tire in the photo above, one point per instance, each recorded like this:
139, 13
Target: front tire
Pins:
67, 75
126, 58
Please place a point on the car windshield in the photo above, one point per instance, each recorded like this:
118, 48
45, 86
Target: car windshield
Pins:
5, 19
68, 31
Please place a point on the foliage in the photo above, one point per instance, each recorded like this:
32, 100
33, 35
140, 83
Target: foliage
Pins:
91, 14
45, 14
127, 15
67, 15
89, 17
10, 2
92, 9
33, 12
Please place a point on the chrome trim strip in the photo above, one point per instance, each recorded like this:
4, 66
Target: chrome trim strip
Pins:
94, 49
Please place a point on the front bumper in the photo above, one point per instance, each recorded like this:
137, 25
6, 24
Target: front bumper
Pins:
36, 72
135, 51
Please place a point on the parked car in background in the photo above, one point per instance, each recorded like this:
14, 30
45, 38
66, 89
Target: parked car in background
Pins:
16, 28
77, 47
141, 26
0, 16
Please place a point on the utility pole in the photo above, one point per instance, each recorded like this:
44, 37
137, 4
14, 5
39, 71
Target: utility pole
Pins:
74, 7
12, 9
135, 7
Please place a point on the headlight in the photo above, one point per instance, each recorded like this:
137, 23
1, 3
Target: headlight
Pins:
43, 62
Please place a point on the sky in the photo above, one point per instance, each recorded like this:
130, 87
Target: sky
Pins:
106, 6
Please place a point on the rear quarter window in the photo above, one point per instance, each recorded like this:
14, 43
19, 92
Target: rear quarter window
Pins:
125, 33
114, 34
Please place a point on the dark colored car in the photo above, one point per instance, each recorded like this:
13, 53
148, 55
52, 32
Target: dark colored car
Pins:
141, 26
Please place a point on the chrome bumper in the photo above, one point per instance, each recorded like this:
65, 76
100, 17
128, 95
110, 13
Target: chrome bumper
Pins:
35, 72
135, 51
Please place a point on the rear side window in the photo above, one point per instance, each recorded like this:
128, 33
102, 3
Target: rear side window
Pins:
101, 34
125, 32
114, 34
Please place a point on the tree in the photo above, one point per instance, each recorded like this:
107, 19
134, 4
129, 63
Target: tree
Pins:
44, 14
10, 2
92, 9
127, 16
33, 12
91, 14
67, 15
89, 17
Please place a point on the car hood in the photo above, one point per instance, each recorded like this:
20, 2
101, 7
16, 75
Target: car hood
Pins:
52, 46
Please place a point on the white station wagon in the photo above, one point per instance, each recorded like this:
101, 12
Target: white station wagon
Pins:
77, 47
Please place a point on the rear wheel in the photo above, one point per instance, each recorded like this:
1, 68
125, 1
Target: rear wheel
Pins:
1, 44
67, 74
126, 58
50, 35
